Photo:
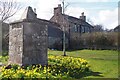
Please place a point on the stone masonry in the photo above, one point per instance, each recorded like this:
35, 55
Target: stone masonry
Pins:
28, 40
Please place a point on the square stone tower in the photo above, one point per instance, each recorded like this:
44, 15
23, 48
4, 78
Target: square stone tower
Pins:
28, 40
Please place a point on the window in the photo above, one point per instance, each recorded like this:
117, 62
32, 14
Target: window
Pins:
82, 29
78, 28
86, 29
75, 27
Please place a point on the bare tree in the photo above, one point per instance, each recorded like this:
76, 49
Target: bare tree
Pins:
90, 21
8, 8
98, 28
64, 35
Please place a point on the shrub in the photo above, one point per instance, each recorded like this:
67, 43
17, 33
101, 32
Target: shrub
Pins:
73, 67
63, 67
100, 40
3, 59
4, 53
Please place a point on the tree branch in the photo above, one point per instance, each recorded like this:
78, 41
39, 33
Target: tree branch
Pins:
8, 9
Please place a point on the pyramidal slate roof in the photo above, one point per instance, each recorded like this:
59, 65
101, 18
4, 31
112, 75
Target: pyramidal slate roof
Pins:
29, 14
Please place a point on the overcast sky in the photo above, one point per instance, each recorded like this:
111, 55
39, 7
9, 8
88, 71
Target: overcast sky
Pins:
104, 12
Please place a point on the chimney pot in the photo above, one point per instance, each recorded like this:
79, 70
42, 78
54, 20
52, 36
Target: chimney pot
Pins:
35, 10
83, 17
59, 5
82, 13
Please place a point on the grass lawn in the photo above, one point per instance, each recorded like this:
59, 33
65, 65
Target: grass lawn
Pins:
103, 63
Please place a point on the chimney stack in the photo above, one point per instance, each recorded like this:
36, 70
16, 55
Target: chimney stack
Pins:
34, 10
58, 10
83, 17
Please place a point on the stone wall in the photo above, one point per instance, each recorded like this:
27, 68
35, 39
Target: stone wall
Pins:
28, 42
4, 30
5, 36
54, 37
35, 42
16, 43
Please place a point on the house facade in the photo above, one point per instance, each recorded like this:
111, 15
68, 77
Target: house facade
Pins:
73, 26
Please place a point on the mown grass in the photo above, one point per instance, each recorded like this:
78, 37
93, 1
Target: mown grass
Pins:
103, 63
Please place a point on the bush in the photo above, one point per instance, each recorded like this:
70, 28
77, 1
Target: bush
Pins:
3, 59
4, 53
100, 40
73, 67
61, 67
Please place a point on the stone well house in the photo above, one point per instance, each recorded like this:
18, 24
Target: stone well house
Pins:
28, 40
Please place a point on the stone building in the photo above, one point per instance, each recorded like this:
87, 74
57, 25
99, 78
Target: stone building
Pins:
5, 41
28, 40
4, 29
54, 36
74, 27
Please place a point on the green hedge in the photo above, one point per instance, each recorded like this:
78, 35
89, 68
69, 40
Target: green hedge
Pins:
97, 40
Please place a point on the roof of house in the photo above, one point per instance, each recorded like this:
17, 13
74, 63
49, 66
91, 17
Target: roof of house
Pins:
29, 13
117, 28
76, 20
